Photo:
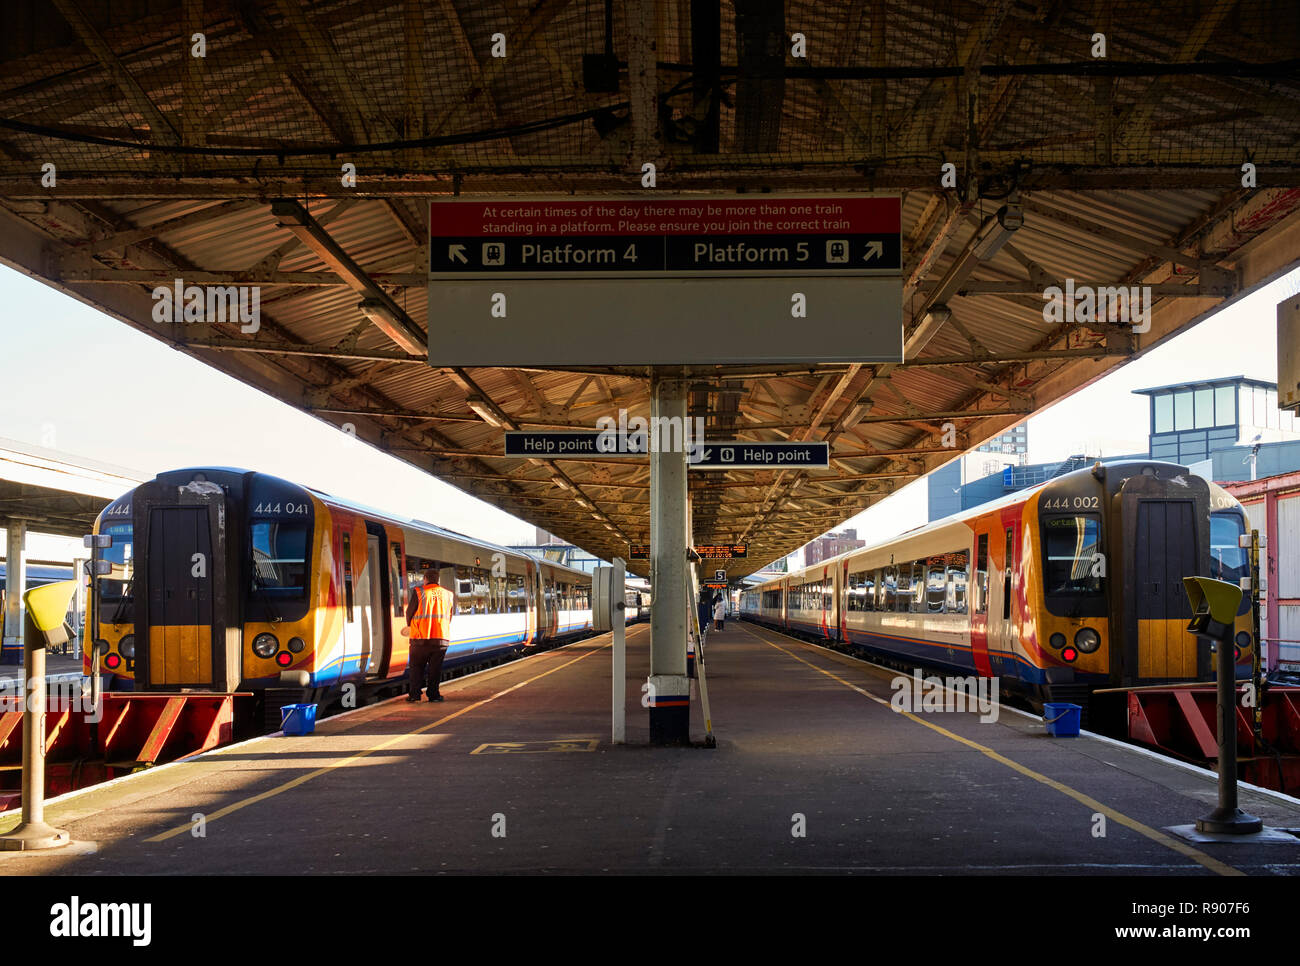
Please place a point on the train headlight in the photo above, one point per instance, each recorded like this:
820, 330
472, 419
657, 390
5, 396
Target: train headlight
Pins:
265, 645
126, 647
1057, 640
1069, 654
112, 662
1087, 640
1243, 641
296, 644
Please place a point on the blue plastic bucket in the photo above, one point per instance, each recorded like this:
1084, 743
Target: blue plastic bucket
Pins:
298, 719
1062, 720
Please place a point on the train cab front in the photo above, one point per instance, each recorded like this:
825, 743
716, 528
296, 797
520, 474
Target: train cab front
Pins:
168, 602
113, 603
1117, 542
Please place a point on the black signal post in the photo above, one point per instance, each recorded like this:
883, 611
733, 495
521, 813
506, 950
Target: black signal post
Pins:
1214, 611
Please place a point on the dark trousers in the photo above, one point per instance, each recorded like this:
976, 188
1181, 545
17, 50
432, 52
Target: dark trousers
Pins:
425, 660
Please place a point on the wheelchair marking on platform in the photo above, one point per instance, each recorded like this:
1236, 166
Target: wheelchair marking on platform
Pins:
536, 747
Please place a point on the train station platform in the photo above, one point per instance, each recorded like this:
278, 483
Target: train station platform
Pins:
814, 772
58, 667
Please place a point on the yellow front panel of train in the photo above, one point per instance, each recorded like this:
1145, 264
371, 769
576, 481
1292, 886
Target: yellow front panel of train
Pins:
1166, 649
180, 655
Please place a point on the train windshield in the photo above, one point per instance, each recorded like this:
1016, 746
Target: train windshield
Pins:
1071, 545
279, 558
115, 586
1227, 559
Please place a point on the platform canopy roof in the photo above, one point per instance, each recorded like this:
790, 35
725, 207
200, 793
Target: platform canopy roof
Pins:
146, 141
54, 493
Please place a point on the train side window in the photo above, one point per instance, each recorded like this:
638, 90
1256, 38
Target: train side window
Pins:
868, 590
398, 581
880, 590
957, 588
936, 587
465, 596
890, 597
1228, 561
917, 604
1007, 571
982, 574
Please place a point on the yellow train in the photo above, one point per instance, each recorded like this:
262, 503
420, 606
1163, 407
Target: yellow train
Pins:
228, 580
1057, 590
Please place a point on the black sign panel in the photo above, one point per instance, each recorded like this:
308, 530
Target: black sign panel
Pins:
738, 455
639, 551
726, 254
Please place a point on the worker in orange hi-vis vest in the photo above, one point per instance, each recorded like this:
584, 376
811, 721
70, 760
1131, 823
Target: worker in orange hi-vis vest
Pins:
428, 618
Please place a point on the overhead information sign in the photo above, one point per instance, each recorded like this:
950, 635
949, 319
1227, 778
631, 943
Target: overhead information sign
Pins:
722, 551
838, 235
639, 551
750, 278
543, 445
723, 455
755, 456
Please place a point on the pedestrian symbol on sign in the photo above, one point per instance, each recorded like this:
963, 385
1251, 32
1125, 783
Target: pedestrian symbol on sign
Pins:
494, 253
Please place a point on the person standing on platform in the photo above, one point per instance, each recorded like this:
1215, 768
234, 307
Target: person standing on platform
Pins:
428, 619
719, 613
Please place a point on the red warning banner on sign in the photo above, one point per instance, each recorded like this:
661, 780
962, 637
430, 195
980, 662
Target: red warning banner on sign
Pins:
753, 215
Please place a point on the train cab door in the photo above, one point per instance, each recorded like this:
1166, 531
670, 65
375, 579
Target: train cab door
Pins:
180, 597
374, 601
1165, 550
352, 658
188, 633
979, 609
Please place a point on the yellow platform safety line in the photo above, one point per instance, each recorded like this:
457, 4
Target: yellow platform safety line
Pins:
1182, 848
303, 779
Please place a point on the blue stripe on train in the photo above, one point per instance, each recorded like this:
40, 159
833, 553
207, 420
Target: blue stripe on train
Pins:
956, 657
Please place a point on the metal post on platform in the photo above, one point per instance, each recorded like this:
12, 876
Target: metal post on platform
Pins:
45, 609
618, 730
11, 650
1214, 614
670, 709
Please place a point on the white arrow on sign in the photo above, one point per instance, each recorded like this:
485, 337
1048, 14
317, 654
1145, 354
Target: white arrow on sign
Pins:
457, 254
875, 249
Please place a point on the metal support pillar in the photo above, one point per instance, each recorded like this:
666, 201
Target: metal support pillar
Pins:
618, 617
15, 580
670, 705
34, 833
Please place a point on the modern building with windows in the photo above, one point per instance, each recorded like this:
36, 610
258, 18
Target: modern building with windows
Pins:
1225, 430
1014, 442
1192, 420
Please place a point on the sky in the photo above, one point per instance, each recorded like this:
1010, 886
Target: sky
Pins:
83, 383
